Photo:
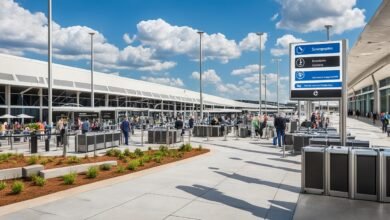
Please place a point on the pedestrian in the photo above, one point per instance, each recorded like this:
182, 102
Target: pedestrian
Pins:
125, 127
179, 125
85, 126
280, 125
382, 118
191, 122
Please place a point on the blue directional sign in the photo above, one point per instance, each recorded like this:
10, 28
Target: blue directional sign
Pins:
317, 75
323, 48
316, 69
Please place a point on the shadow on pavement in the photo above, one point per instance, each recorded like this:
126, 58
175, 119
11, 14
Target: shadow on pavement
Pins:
217, 196
276, 167
248, 179
285, 160
251, 151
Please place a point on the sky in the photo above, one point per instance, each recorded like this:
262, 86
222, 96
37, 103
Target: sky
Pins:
157, 40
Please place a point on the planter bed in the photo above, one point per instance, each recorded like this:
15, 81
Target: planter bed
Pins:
57, 184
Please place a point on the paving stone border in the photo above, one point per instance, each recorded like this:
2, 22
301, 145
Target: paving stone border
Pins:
58, 172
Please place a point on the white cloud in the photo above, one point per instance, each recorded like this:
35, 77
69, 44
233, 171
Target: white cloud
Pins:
251, 42
22, 31
311, 15
253, 68
274, 17
171, 40
208, 76
271, 78
283, 45
176, 82
128, 39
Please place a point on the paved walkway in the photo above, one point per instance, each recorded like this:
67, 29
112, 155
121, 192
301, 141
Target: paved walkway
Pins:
237, 180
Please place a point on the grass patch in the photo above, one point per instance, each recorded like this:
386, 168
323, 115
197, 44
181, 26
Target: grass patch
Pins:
73, 160
32, 160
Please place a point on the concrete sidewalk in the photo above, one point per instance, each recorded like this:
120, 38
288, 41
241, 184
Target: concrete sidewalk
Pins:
238, 180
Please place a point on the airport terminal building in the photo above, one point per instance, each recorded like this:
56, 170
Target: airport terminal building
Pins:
23, 89
368, 66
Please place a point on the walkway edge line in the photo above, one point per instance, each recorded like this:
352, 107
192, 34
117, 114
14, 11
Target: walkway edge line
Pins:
8, 209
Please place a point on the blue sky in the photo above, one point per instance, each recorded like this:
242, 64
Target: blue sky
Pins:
156, 40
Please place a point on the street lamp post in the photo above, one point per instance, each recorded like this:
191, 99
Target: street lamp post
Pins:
277, 60
265, 92
92, 87
200, 75
260, 34
49, 61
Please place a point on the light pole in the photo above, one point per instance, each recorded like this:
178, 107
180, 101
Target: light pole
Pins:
200, 75
277, 60
92, 87
49, 62
328, 27
265, 92
260, 34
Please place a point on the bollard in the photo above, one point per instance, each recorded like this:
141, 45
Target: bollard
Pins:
142, 136
207, 132
224, 133
189, 136
237, 131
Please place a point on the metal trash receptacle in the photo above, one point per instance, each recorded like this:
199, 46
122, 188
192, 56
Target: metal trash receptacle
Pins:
313, 170
384, 175
364, 174
337, 171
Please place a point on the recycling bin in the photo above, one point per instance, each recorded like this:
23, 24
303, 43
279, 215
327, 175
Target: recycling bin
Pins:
313, 170
34, 143
384, 178
364, 174
337, 171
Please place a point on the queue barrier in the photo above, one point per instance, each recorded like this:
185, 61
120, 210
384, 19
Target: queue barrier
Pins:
162, 136
92, 141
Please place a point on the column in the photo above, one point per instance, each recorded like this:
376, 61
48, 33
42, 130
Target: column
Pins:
107, 100
8, 99
78, 98
40, 94
174, 109
377, 102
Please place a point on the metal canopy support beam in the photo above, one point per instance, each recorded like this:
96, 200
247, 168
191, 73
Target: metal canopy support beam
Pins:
8, 99
40, 93
50, 76
377, 103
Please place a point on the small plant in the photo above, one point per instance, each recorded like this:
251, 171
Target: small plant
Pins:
126, 160
185, 147
43, 162
17, 187
141, 162
69, 178
149, 148
126, 152
73, 160
138, 152
120, 169
121, 156
3, 184
163, 148
92, 172
38, 181
113, 152
147, 158
133, 165
200, 147
132, 155
180, 155
32, 160
157, 159
105, 166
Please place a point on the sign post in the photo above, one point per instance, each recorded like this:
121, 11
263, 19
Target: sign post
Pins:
318, 72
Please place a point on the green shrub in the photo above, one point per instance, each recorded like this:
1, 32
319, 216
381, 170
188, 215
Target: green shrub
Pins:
126, 160
43, 162
120, 169
200, 148
147, 158
113, 152
133, 165
132, 155
121, 156
126, 152
105, 166
141, 162
158, 154
4, 157
163, 148
73, 160
17, 187
139, 152
69, 178
180, 155
157, 159
185, 147
92, 172
32, 160
3, 184
38, 181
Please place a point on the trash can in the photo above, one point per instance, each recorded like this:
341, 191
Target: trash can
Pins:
47, 144
337, 171
34, 143
313, 170
384, 178
365, 175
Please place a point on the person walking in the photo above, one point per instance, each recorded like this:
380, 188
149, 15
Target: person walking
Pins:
280, 125
179, 125
125, 127
85, 126
382, 118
